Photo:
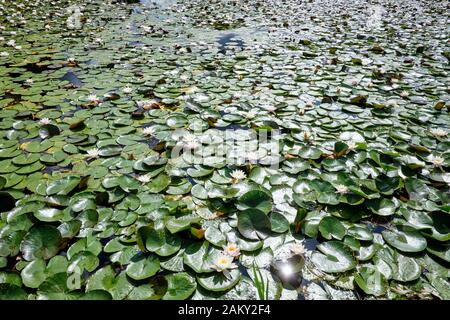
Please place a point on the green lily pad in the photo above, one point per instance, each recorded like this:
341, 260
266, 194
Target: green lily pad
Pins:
279, 223
405, 240
371, 281
310, 153
334, 257
142, 268
218, 281
254, 224
175, 225
215, 236
255, 199
55, 288
382, 206
195, 256
442, 251
63, 186
162, 242
331, 227
40, 242
158, 184
34, 273
12, 292
49, 214
180, 286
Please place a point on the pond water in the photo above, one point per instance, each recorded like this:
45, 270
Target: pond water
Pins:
108, 108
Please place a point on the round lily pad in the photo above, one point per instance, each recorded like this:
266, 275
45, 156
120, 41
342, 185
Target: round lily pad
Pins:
141, 267
254, 224
334, 256
405, 240
218, 281
41, 242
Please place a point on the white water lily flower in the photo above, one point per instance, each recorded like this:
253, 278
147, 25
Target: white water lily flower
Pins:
269, 107
223, 263
127, 89
438, 132
391, 104
351, 145
298, 248
44, 121
11, 43
251, 114
18, 47
146, 29
93, 98
149, 131
184, 77
404, 94
71, 60
93, 153
309, 104
201, 98
144, 179
341, 189
4, 54
436, 160
232, 250
191, 89
238, 175
29, 82
147, 104
190, 141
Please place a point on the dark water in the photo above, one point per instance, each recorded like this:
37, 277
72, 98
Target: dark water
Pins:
72, 78
227, 39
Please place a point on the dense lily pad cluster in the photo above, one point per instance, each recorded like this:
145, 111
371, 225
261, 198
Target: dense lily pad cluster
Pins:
95, 96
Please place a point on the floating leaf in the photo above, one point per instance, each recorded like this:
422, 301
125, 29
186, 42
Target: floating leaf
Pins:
254, 224
334, 257
218, 281
255, 199
371, 281
180, 286
142, 268
63, 186
331, 227
405, 240
279, 223
162, 242
41, 242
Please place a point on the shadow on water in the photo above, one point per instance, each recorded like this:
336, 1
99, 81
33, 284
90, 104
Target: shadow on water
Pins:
92, 62
227, 39
72, 78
